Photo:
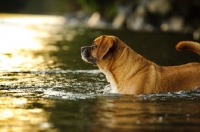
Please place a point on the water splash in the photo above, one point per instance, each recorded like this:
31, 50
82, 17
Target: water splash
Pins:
62, 84
72, 85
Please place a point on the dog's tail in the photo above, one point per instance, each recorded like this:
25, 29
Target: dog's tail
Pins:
188, 45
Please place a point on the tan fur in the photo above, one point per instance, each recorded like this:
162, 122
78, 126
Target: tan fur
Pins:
188, 45
130, 73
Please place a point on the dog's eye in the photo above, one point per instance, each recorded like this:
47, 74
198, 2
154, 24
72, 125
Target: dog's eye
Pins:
94, 46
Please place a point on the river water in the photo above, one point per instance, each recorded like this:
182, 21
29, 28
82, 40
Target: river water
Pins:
45, 86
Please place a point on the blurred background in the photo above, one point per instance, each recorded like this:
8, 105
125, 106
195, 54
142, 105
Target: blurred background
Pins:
139, 15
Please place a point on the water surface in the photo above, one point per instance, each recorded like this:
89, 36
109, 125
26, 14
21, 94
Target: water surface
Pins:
45, 86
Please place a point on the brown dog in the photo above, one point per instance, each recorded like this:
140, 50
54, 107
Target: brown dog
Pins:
130, 73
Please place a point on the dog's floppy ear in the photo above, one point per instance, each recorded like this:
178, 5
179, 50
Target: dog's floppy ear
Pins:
107, 43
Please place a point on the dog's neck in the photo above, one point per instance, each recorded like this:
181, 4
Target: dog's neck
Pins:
117, 65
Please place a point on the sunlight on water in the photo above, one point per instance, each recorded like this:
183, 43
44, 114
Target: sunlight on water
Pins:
21, 35
20, 32
18, 112
62, 84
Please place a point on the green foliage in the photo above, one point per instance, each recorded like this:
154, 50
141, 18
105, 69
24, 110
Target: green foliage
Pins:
51, 6
90, 5
107, 8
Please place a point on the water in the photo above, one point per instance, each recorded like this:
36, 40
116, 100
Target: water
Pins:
45, 86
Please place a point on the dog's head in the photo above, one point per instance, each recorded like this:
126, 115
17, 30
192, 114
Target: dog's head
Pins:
98, 50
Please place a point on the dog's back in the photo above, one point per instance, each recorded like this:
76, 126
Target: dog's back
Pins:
183, 77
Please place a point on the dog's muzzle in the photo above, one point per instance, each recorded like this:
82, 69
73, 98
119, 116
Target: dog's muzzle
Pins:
86, 55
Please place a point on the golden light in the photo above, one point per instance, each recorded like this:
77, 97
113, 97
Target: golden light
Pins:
22, 34
16, 112
22, 37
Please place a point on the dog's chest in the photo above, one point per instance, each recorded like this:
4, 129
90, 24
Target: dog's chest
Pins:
111, 80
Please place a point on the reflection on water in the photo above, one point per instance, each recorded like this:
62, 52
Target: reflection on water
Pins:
22, 114
160, 112
62, 84
45, 86
148, 113
27, 40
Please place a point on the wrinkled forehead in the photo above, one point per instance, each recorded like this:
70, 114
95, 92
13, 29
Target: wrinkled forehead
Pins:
100, 40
